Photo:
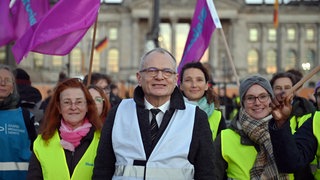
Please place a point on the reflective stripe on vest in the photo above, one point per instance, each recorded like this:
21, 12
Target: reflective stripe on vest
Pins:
13, 166
214, 121
53, 162
240, 158
152, 173
170, 155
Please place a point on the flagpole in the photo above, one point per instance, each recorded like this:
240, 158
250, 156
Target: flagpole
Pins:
92, 50
304, 79
229, 56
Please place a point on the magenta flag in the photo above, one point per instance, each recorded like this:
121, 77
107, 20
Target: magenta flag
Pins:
205, 20
16, 20
60, 30
26, 13
6, 24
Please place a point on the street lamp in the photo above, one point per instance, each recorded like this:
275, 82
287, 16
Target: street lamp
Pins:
305, 66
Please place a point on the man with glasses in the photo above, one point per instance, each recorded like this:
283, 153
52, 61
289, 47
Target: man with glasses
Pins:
180, 146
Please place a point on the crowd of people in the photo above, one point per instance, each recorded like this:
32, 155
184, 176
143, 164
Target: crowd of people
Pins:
165, 131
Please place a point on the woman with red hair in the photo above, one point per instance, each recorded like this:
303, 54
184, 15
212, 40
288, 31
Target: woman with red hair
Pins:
69, 137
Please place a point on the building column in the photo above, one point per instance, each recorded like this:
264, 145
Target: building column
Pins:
103, 32
173, 24
262, 52
134, 64
280, 56
300, 50
317, 55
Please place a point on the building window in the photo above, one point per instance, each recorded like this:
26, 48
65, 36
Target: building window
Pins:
310, 58
291, 34
271, 63
38, 60
253, 34
272, 35
310, 34
252, 61
56, 62
290, 60
113, 33
113, 61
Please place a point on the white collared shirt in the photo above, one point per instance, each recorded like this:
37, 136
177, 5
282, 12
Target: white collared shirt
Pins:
163, 108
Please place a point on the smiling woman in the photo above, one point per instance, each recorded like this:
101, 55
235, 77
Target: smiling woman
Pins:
70, 133
248, 132
17, 131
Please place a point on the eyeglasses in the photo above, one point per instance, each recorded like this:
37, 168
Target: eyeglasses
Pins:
78, 103
5, 81
262, 98
153, 71
106, 89
98, 100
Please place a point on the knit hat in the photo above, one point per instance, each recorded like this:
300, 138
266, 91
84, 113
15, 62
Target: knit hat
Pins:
250, 81
317, 87
22, 77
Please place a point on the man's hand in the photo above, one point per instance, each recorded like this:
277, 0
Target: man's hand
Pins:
281, 108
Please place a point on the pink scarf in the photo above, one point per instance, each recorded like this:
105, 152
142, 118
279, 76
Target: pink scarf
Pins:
71, 137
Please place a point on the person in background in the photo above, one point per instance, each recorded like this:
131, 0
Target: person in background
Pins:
317, 95
298, 151
194, 86
302, 110
101, 80
244, 151
101, 100
62, 76
166, 137
297, 76
30, 97
114, 98
236, 106
69, 137
225, 101
17, 131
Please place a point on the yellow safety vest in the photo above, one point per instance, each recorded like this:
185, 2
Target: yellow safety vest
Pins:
316, 132
214, 121
53, 162
296, 122
240, 158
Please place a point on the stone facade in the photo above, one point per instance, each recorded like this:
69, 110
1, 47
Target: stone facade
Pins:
132, 21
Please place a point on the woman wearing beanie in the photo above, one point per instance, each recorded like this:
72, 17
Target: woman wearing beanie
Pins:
244, 151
